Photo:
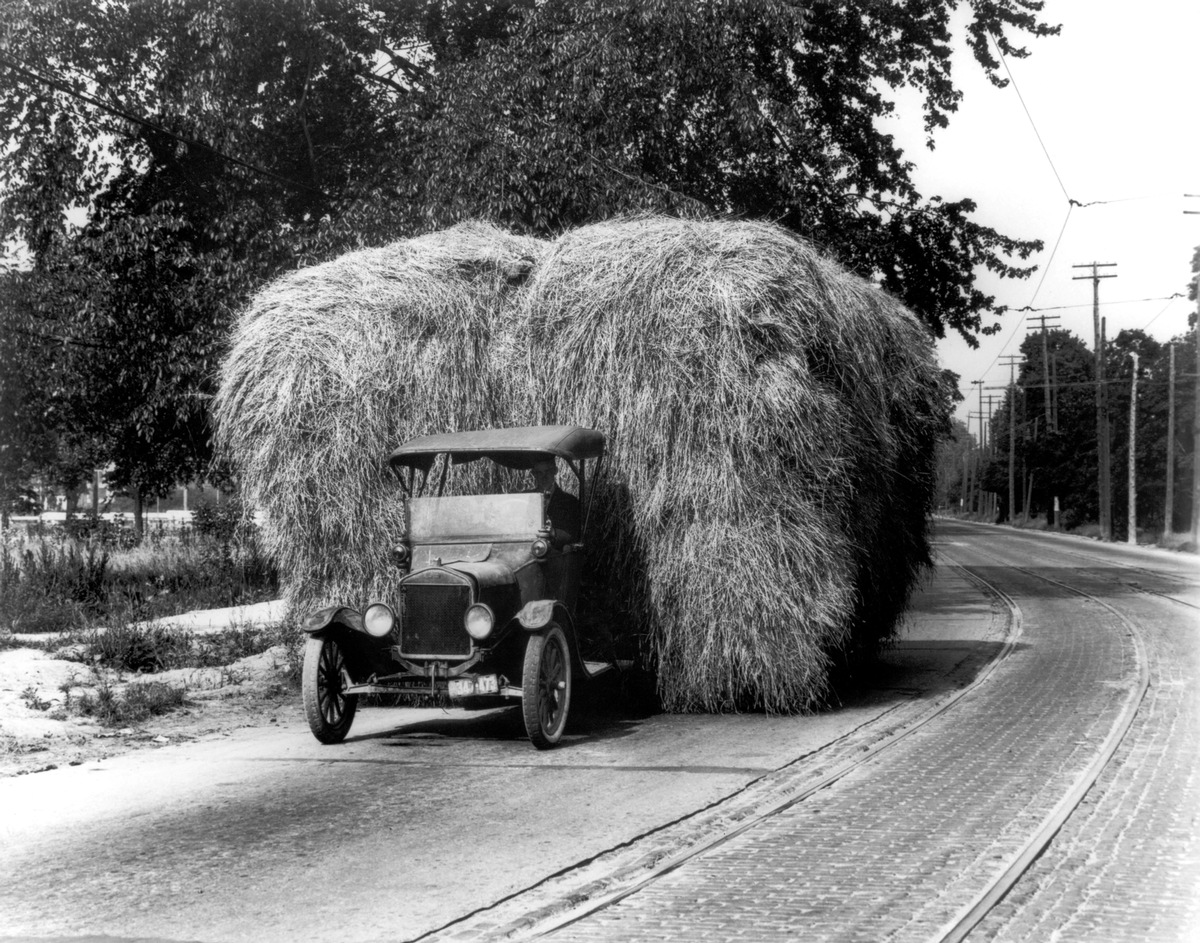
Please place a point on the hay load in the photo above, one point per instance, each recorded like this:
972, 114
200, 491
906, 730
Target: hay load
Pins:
331, 366
772, 422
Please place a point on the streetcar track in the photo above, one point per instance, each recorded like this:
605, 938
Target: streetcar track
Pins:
969, 917
572, 904
1102, 562
605, 893
1064, 545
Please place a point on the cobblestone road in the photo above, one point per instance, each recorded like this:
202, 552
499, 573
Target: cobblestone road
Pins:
1126, 866
899, 849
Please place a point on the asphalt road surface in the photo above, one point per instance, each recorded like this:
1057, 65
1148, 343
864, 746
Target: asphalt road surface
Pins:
1011, 699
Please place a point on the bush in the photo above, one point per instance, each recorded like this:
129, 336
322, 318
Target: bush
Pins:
139, 648
225, 523
137, 703
143, 648
52, 585
114, 534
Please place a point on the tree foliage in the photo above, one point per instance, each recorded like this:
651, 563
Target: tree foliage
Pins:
162, 158
767, 109
1059, 459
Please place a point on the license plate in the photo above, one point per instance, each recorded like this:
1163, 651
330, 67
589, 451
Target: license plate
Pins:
481, 684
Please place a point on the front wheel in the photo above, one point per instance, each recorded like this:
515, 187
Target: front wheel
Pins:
329, 709
546, 687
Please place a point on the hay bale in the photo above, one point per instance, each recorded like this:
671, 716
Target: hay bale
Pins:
331, 366
772, 422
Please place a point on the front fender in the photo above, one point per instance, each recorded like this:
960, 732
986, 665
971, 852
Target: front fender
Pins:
324, 621
539, 613
365, 654
536, 614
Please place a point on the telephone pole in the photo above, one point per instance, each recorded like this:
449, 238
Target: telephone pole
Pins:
1046, 399
1104, 484
1012, 437
1169, 510
979, 451
1196, 409
1131, 537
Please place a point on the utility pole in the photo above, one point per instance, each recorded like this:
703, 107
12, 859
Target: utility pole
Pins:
1169, 510
1196, 409
1042, 319
991, 422
1012, 438
965, 499
1103, 461
979, 451
1196, 427
1131, 537
1046, 403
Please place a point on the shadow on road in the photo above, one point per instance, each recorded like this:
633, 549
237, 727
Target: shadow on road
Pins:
917, 668
599, 711
1102, 581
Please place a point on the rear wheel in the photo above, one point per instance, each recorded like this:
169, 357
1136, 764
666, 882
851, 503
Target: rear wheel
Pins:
546, 687
329, 709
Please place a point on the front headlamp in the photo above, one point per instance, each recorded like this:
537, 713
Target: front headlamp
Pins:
379, 620
479, 620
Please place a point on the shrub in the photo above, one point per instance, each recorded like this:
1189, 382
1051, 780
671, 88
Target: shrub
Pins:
139, 647
149, 647
138, 702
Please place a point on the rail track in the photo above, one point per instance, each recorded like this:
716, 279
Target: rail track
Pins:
1019, 863
1070, 547
607, 879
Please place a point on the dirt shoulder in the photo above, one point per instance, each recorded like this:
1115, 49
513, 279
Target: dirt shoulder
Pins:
41, 727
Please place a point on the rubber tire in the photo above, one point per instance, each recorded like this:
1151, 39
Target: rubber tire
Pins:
330, 712
546, 686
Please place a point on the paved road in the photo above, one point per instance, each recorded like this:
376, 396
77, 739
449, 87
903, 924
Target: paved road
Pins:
880, 820
904, 847
421, 817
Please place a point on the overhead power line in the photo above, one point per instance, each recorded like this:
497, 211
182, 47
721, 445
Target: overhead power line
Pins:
1127, 301
1032, 123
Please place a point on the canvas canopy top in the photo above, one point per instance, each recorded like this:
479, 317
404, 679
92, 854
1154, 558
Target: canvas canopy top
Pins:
519, 447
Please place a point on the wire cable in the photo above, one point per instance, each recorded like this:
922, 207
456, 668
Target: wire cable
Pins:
1174, 298
1050, 261
1032, 124
1126, 301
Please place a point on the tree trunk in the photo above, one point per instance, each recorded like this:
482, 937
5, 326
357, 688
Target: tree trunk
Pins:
139, 524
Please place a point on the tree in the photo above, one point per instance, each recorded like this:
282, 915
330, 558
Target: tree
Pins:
1059, 458
952, 454
22, 438
135, 312
204, 160
767, 108
1153, 445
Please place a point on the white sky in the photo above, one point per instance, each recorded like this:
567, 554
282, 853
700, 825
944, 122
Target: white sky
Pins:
1116, 99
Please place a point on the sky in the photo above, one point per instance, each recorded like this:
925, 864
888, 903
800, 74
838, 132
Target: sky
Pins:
1115, 99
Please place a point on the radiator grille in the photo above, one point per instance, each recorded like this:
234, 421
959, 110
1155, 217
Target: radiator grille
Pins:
432, 623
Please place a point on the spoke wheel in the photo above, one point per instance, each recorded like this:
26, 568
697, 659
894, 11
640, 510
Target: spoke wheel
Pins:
329, 709
546, 687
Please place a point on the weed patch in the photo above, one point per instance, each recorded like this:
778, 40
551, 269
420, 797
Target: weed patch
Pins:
33, 699
143, 648
57, 583
138, 702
